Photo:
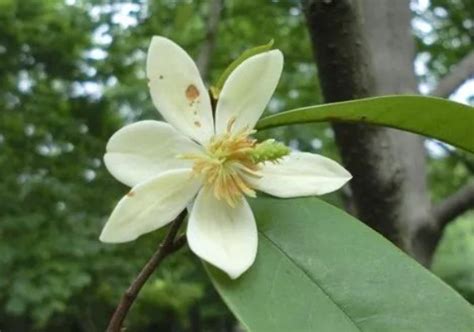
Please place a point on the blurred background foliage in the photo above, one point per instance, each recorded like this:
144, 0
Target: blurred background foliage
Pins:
72, 72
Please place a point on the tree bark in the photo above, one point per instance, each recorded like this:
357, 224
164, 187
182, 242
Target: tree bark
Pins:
364, 49
207, 47
387, 26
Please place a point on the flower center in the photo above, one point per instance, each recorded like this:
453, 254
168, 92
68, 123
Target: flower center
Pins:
230, 159
226, 163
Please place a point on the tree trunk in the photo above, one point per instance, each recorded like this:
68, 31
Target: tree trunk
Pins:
364, 49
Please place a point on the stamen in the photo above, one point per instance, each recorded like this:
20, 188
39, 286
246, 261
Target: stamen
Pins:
229, 160
231, 123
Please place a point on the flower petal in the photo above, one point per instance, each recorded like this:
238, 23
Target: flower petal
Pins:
150, 205
224, 236
247, 91
145, 149
301, 174
177, 89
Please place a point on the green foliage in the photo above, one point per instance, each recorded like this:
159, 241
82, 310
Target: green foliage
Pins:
453, 259
458, 163
448, 35
317, 268
50, 153
434, 117
55, 193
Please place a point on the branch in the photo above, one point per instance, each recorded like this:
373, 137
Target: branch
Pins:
204, 57
167, 247
460, 73
454, 205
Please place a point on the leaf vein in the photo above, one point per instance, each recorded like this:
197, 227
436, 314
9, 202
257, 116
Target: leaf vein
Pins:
313, 280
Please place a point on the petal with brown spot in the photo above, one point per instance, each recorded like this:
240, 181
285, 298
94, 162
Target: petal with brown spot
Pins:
192, 93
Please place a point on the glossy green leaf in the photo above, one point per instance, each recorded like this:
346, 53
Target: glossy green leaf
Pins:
319, 269
244, 56
442, 119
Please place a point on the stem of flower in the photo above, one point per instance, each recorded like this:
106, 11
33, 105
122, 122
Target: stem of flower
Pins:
169, 245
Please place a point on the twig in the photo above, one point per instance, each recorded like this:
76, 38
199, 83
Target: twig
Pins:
167, 247
454, 205
458, 74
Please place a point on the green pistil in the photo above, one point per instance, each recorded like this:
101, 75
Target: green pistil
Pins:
269, 150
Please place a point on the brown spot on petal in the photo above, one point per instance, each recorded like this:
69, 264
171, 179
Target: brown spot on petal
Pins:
131, 193
161, 77
197, 124
192, 93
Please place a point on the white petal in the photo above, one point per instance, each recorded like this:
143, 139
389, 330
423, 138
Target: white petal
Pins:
301, 174
145, 149
150, 205
177, 89
248, 90
224, 236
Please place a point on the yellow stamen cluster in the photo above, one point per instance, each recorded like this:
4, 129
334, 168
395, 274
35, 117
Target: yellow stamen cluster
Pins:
226, 164
231, 159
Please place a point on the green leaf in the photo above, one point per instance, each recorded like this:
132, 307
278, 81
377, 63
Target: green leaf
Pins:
319, 269
184, 13
442, 119
244, 56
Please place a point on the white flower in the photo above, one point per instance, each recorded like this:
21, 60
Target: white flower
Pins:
206, 164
